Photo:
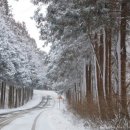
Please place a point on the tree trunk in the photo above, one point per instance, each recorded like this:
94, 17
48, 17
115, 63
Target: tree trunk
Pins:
124, 11
101, 98
89, 92
109, 73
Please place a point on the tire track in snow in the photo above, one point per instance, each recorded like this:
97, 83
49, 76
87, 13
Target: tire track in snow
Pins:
37, 117
35, 121
7, 118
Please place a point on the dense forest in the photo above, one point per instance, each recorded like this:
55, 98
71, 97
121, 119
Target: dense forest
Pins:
21, 62
89, 59
89, 56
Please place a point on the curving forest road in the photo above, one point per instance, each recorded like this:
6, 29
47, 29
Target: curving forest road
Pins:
7, 118
50, 114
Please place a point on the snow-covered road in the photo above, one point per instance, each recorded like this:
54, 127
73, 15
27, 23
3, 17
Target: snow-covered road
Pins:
50, 117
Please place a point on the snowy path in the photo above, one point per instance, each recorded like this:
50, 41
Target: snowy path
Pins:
50, 117
7, 118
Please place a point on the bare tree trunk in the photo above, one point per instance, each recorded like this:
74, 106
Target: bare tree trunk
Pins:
109, 73
0, 93
89, 91
9, 98
3, 90
13, 97
16, 99
102, 102
124, 11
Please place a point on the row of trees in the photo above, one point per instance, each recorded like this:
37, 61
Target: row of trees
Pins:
105, 74
89, 59
14, 96
21, 61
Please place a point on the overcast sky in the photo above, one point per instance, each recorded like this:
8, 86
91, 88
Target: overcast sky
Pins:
22, 11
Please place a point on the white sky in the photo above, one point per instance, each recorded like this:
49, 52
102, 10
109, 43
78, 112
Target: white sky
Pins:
22, 11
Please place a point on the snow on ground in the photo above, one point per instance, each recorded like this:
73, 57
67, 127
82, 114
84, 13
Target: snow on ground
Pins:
58, 118
54, 117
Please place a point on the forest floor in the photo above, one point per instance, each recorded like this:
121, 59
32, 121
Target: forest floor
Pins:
53, 115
